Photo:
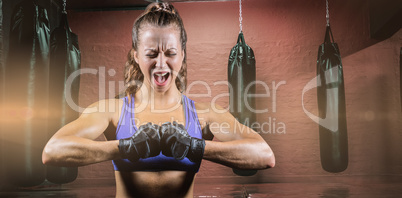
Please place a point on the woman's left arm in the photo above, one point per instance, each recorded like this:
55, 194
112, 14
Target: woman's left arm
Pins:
238, 146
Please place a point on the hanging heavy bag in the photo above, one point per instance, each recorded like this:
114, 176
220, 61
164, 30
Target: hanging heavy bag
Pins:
331, 106
26, 93
65, 58
241, 77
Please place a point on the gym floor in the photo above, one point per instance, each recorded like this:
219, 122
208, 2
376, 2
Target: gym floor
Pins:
345, 186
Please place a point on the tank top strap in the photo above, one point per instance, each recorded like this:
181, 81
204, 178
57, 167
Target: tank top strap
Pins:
192, 123
184, 100
126, 116
132, 114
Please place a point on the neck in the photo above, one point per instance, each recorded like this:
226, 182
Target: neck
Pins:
160, 100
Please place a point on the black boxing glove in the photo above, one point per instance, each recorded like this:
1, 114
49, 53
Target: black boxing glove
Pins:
143, 144
177, 143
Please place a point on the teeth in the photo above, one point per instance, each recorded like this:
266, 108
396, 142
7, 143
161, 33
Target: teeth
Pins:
161, 74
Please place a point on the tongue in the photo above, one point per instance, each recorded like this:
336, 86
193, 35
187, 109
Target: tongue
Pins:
160, 79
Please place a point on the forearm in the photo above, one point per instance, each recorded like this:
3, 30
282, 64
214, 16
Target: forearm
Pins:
242, 154
77, 151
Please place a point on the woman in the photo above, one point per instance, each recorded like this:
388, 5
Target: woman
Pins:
156, 135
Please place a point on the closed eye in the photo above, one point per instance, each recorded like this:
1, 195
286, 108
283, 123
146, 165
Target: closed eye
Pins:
152, 55
171, 54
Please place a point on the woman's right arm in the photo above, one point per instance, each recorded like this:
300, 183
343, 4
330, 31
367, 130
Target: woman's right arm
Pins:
74, 145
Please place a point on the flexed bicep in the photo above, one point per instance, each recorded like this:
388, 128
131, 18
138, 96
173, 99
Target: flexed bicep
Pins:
74, 145
239, 146
224, 126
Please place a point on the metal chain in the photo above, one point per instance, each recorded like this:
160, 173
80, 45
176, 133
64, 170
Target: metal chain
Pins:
240, 17
327, 8
64, 6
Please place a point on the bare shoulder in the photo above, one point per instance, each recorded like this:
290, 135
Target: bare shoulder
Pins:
107, 108
202, 106
104, 106
208, 111
202, 109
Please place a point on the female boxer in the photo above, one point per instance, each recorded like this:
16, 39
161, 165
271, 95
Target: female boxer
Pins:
155, 134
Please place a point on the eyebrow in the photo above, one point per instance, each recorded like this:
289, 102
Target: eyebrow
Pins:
153, 49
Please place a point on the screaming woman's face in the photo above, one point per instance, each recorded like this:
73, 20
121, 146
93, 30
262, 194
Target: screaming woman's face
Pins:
159, 56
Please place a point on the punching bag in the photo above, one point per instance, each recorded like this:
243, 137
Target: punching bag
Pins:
65, 58
331, 106
26, 93
241, 77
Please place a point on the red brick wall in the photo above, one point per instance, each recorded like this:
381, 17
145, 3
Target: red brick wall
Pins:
285, 36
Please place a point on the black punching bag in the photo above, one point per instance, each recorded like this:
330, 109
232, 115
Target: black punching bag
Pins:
65, 58
241, 77
26, 93
331, 106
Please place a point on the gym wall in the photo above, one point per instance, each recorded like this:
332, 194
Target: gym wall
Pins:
285, 36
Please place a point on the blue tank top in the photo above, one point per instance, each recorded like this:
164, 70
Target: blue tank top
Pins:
126, 128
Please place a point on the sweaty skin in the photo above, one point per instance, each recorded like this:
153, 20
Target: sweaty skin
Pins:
159, 52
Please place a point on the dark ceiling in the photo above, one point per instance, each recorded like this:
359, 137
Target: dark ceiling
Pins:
97, 4
110, 4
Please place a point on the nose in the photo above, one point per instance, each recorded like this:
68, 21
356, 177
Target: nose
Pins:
161, 61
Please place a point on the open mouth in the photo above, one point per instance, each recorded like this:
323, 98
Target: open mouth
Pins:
161, 78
